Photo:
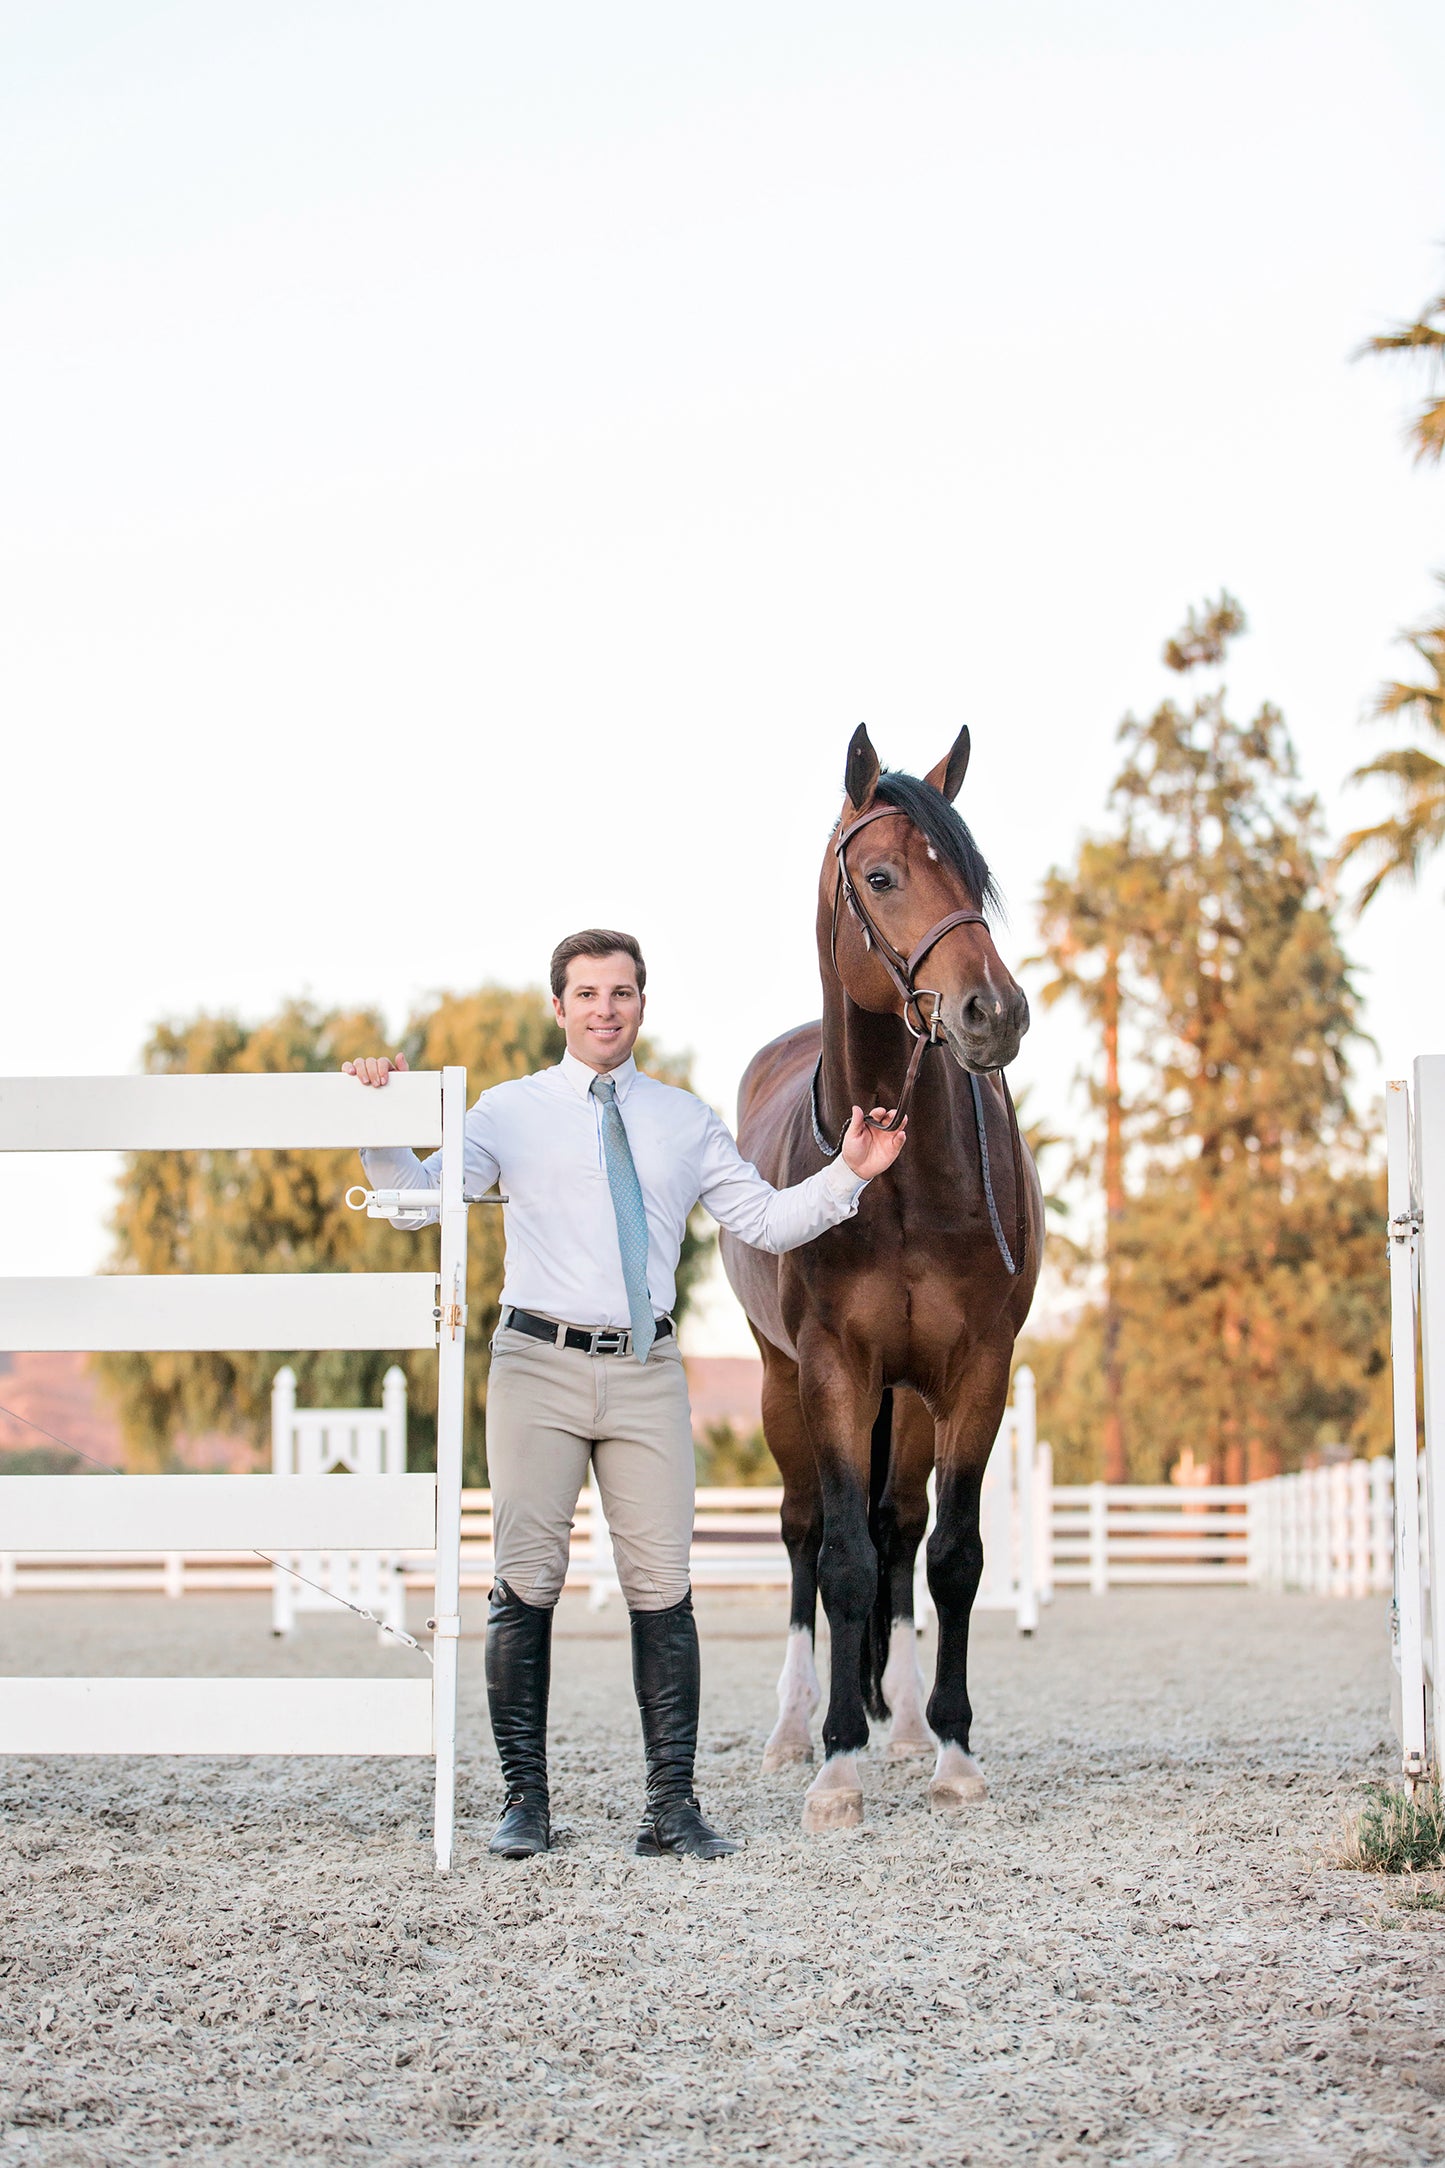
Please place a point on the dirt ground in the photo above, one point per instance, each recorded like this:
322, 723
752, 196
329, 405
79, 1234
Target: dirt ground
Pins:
1138, 1949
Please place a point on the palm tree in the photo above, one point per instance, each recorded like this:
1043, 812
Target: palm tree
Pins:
1398, 847
1424, 338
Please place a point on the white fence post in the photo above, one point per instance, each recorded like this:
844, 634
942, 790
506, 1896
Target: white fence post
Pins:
1360, 1532
1317, 1487
1430, 1203
283, 1462
1257, 1523
1407, 1611
1025, 1443
1099, 1539
451, 1416
393, 1416
393, 1411
1044, 1521
1382, 1493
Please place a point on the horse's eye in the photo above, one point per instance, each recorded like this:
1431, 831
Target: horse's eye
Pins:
879, 880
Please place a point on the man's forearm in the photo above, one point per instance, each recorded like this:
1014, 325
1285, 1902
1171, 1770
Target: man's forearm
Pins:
811, 1207
395, 1166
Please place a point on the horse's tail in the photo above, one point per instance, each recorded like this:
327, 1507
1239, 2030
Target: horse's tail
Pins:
879, 1628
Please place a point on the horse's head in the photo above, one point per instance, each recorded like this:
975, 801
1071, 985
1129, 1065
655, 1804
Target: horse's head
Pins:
909, 868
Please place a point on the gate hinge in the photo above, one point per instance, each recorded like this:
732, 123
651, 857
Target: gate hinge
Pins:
450, 1316
1404, 1226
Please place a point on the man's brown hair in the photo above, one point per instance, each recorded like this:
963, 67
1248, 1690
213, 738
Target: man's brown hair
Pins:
597, 941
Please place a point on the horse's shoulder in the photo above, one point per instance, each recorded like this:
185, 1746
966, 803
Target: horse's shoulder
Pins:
793, 1053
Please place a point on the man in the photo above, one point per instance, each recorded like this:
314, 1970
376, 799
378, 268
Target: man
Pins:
601, 1166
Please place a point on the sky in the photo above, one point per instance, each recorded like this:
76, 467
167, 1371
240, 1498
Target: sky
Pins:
466, 471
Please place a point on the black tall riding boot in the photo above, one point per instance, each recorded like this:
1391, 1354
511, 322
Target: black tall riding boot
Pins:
667, 1677
519, 1671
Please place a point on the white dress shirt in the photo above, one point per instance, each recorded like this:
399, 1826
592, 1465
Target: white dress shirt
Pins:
540, 1137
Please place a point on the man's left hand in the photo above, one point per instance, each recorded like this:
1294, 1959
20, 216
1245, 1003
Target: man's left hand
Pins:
873, 1151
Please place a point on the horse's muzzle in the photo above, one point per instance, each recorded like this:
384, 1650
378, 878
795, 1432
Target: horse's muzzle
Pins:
984, 1029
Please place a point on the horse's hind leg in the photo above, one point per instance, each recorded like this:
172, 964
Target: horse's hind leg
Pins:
791, 1739
902, 1519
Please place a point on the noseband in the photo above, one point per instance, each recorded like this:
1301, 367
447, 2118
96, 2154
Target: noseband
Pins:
903, 971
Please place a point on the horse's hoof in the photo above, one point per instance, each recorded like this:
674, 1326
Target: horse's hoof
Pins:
832, 1810
949, 1795
783, 1753
908, 1749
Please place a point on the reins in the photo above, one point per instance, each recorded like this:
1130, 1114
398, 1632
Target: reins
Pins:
903, 971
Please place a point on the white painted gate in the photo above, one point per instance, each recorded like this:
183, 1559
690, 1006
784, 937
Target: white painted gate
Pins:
185, 1513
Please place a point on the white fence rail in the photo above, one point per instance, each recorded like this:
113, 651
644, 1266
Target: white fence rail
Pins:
1304, 1532
46, 1520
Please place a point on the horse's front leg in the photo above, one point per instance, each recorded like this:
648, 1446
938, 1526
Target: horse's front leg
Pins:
791, 1738
840, 1400
902, 1519
955, 1568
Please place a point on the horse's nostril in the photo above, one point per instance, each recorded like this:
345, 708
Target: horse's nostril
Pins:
982, 1011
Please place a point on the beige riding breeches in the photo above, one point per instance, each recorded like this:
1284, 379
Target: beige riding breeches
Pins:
551, 1410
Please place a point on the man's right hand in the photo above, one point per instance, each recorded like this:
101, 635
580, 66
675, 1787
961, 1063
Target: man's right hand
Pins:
374, 1068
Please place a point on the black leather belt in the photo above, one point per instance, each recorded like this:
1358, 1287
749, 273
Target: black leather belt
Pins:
605, 1340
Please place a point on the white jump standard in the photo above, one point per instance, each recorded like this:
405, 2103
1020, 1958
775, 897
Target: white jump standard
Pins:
1416, 1141
287, 1513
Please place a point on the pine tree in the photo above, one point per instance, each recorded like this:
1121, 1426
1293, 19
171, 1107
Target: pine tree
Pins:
1244, 1311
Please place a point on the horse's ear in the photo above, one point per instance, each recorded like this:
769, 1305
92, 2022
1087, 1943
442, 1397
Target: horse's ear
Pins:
860, 777
949, 774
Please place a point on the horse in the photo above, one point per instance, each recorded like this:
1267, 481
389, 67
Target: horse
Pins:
887, 1343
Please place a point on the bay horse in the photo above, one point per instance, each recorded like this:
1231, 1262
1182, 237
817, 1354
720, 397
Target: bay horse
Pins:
887, 1343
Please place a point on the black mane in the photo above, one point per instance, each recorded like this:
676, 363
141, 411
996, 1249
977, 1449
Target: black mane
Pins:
935, 819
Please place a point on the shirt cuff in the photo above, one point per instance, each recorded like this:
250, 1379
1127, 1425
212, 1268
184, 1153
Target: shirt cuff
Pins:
842, 1182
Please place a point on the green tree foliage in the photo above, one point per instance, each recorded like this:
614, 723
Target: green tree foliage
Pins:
281, 1211
1245, 1309
1395, 849
1422, 342
726, 1457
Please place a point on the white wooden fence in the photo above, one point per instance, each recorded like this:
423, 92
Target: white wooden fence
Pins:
1326, 1532
178, 1516
1296, 1533
338, 1441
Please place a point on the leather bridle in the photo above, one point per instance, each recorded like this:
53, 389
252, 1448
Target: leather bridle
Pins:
903, 971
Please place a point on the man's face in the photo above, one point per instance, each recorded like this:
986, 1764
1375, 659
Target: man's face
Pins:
601, 1010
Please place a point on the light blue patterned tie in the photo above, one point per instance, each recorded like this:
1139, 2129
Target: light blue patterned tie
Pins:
631, 1216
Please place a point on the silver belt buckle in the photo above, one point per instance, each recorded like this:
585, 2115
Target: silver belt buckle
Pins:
615, 1334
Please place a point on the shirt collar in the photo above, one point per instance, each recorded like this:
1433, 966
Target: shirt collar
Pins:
579, 1076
